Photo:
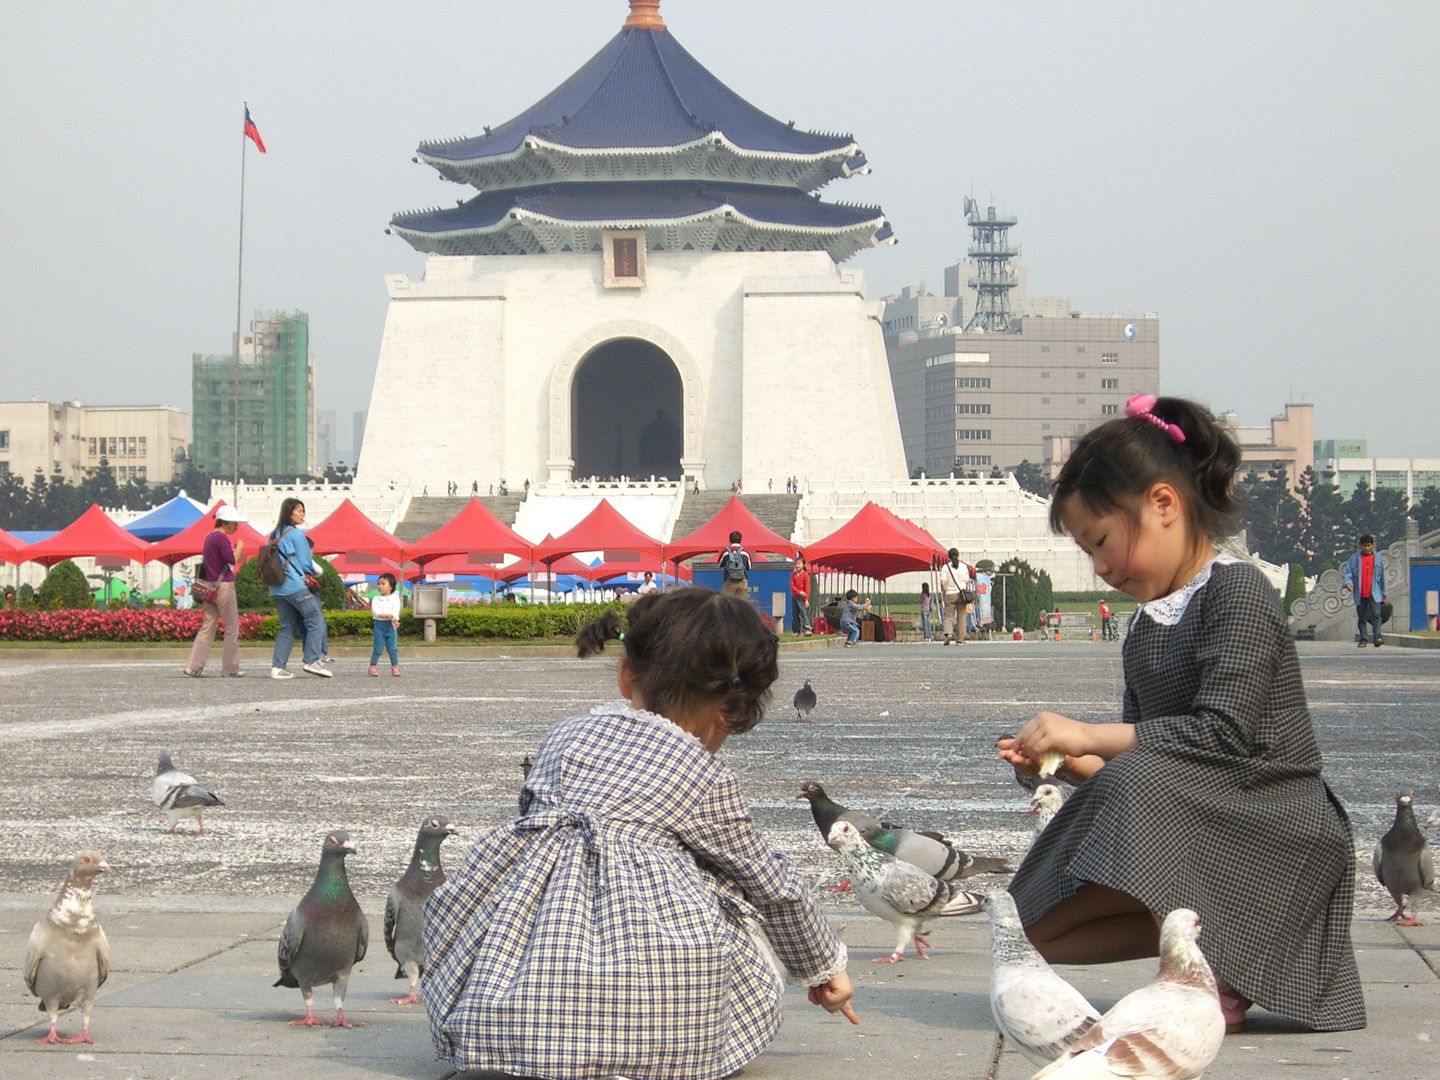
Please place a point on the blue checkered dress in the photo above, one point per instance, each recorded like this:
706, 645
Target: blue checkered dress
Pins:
614, 926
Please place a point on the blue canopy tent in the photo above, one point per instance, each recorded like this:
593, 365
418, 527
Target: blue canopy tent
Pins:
167, 519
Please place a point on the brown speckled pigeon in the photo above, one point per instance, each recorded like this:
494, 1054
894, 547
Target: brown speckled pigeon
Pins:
68, 958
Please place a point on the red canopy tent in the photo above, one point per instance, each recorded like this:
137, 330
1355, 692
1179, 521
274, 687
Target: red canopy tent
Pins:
473, 531
91, 535
714, 536
347, 529
9, 548
604, 529
876, 544
190, 541
566, 564
923, 535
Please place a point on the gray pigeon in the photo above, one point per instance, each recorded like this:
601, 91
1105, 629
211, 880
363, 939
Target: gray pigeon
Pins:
68, 958
804, 701
897, 892
1403, 862
326, 935
1037, 1011
407, 900
179, 796
939, 858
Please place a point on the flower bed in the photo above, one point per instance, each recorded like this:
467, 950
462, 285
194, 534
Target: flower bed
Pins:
140, 624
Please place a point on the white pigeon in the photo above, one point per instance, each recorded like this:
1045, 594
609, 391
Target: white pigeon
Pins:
1037, 1011
1045, 804
179, 796
1169, 1030
897, 892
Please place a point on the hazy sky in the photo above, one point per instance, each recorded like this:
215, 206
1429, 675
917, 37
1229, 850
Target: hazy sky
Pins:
1264, 176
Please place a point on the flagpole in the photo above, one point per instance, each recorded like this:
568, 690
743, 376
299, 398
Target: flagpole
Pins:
239, 278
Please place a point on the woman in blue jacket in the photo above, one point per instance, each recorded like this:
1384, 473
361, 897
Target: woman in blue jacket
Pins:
297, 606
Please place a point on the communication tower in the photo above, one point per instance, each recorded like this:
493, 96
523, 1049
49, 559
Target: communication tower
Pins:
994, 275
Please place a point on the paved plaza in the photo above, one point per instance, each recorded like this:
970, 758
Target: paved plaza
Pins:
904, 731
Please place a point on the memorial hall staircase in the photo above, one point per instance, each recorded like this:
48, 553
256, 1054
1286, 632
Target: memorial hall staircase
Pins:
428, 512
776, 512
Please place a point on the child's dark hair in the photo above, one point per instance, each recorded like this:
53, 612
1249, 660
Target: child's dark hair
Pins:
925, 587
851, 594
1367, 539
387, 576
690, 647
1115, 464
735, 537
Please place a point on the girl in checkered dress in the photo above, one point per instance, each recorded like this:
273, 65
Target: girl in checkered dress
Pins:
615, 927
1208, 794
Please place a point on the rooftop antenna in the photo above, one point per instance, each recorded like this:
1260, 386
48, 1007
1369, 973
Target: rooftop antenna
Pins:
994, 275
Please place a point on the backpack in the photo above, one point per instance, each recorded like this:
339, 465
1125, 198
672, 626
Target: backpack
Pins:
272, 564
733, 563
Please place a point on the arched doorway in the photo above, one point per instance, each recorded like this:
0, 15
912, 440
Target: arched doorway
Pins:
626, 409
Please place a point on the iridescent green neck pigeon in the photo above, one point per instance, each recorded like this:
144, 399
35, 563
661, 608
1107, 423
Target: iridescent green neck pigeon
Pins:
406, 902
326, 935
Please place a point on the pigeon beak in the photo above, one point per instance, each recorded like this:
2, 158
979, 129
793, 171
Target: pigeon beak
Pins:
103, 868
349, 845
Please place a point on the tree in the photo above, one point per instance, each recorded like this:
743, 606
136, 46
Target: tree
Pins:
1381, 512
1325, 530
1273, 517
250, 592
917, 472
1426, 510
14, 503
1024, 593
65, 586
1295, 587
332, 589
1032, 478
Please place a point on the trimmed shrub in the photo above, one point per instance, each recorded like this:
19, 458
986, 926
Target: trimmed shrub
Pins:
1295, 587
332, 589
250, 592
65, 587
504, 621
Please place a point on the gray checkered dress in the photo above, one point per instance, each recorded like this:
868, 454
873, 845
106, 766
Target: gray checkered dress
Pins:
614, 927
1221, 807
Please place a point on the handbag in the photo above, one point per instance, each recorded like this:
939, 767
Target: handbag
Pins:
1387, 609
963, 593
204, 592
312, 583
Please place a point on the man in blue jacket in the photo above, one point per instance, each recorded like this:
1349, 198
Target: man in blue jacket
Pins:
1365, 578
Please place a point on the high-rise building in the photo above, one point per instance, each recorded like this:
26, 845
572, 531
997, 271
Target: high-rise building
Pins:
68, 439
276, 395
989, 377
327, 448
357, 435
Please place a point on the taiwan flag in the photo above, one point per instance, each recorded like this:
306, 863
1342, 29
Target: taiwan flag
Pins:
252, 132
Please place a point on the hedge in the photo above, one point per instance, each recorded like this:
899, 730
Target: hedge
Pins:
471, 621
139, 624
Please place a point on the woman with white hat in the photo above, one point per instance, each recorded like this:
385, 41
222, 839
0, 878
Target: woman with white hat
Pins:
216, 591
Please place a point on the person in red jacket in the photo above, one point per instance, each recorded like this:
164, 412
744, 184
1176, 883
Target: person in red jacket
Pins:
800, 598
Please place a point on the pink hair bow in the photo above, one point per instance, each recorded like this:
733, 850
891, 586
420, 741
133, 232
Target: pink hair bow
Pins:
1141, 406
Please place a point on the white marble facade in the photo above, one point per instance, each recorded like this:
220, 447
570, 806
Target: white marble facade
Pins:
779, 356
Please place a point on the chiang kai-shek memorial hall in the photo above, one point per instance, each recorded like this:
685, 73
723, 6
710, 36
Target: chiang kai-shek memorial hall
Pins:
645, 281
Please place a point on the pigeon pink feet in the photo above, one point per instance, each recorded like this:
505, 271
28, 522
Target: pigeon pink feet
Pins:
83, 1037
893, 958
1413, 920
309, 1021
51, 1038
409, 999
341, 1022
844, 885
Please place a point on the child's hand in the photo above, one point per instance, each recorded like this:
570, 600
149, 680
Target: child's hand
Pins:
1010, 751
1051, 731
834, 996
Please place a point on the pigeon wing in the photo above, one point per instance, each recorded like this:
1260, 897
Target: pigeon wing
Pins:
392, 916
1427, 868
34, 950
1376, 860
362, 942
290, 939
193, 795
1041, 1013
102, 956
908, 889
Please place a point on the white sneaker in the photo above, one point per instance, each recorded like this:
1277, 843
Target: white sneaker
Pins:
281, 673
318, 669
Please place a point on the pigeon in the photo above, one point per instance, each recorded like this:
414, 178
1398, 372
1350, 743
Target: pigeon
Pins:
804, 701
1403, 862
826, 812
1045, 804
407, 899
68, 958
939, 858
1037, 1011
326, 935
897, 892
525, 766
179, 795
1171, 1029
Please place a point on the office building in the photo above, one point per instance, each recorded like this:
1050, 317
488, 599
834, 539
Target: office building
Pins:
140, 442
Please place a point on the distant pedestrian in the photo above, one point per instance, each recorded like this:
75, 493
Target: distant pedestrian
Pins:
800, 598
648, 585
1365, 578
850, 612
474, 488
527, 485
734, 563
385, 613
296, 603
217, 569
772, 485
1107, 622
639, 903
957, 592
927, 604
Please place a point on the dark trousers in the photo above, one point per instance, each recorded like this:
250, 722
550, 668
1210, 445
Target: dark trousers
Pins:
1368, 611
799, 614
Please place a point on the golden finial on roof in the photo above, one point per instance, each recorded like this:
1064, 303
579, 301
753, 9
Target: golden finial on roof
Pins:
645, 15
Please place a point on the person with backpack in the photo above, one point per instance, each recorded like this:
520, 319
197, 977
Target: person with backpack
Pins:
734, 565
287, 569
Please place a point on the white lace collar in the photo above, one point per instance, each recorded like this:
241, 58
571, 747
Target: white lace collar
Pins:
1168, 610
624, 708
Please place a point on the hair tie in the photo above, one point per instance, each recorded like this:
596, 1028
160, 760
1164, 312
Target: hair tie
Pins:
737, 682
620, 636
1141, 407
